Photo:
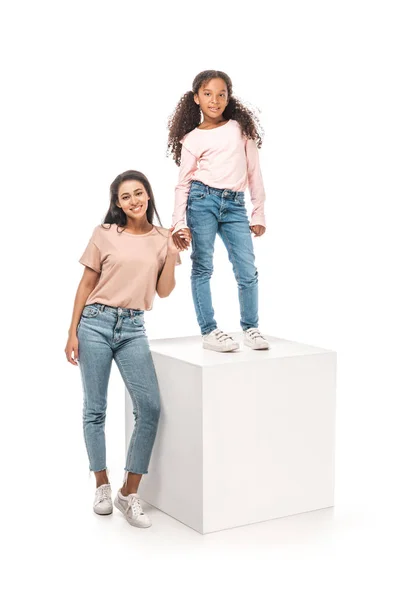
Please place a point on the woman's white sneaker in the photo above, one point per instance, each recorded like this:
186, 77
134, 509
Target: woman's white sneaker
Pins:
255, 339
132, 510
219, 341
102, 504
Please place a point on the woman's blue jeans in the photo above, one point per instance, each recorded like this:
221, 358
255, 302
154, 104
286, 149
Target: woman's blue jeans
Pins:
106, 333
211, 211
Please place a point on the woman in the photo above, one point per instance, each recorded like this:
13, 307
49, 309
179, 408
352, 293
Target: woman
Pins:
126, 261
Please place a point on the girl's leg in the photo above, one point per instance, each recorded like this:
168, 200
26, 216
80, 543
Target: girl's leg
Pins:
202, 219
235, 233
135, 363
95, 358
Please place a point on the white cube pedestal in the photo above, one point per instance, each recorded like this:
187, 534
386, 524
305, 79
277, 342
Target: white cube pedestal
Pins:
243, 437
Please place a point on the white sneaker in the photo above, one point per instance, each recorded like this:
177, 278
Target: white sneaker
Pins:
132, 510
102, 504
219, 341
255, 339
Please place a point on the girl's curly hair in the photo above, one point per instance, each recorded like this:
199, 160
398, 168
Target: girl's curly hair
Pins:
187, 115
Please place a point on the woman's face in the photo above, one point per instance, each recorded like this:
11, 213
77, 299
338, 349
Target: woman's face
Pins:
133, 199
212, 98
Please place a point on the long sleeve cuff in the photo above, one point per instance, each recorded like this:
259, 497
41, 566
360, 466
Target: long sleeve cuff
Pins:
178, 226
258, 220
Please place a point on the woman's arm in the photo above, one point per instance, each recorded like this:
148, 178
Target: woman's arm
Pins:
86, 286
166, 279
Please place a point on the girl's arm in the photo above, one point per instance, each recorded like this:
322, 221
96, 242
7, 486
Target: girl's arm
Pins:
166, 279
86, 286
188, 166
256, 185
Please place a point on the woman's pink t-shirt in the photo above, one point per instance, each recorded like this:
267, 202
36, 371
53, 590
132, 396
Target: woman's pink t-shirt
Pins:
222, 158
129, 265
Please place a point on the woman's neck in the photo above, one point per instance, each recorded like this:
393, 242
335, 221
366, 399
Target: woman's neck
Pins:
138, 227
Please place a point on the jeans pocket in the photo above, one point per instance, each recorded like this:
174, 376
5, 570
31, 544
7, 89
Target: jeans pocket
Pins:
195, 195
138, 320
90, 311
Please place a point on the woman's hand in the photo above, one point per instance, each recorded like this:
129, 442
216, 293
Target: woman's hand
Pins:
257, 230
72, 347
181, 239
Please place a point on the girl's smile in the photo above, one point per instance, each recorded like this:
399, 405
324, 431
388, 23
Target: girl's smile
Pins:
212, 98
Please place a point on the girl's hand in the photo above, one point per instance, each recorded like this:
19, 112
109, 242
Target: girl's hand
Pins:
72, 347
257, 230
181, 239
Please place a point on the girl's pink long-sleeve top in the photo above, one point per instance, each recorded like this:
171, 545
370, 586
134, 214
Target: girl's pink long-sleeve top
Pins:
222, 158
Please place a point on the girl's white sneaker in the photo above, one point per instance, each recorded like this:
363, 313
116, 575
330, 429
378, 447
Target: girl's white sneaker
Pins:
255, 339
219, 341
102, 504
132, 510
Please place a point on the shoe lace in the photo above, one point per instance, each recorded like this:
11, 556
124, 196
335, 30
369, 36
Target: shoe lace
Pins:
221, 336
103, 493
254, 333
134, 504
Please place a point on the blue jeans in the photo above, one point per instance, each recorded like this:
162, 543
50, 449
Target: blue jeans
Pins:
104, 333
211, 211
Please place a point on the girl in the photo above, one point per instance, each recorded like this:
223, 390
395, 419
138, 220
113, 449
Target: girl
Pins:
218, 157
126, 261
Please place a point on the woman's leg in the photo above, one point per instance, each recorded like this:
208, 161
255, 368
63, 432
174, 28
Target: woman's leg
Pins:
95, 358
131, 483
135, 363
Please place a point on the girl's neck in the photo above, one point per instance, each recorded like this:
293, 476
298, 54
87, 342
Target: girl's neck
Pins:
212, 123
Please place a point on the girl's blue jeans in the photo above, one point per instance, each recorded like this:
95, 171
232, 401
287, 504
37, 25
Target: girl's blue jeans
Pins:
211, 211
106, 333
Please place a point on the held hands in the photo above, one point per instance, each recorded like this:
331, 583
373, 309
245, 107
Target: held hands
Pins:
180, 240
258, 230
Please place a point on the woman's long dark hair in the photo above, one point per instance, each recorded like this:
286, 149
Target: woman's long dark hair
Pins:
187, 115
115, 214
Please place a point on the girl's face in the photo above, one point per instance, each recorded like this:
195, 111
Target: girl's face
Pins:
133, 199
212, 98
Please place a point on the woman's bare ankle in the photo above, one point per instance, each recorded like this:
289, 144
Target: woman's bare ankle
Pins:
126, 491
131, 484
101, 477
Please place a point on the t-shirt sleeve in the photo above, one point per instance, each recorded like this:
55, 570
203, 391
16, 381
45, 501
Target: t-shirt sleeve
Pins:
92, 257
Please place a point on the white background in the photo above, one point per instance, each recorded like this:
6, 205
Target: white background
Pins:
87, 91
